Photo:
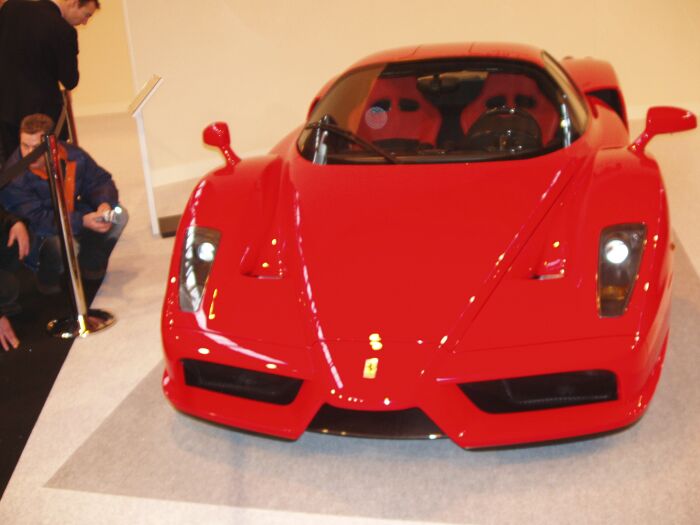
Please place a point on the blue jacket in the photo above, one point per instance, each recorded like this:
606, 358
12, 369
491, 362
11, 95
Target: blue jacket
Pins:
29, 196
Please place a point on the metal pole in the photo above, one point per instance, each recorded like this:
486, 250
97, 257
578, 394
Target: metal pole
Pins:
60, 124
150, 197
136, 108
85, 321
67, 115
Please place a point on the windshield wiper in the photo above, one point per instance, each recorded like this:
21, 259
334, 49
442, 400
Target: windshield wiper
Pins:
349, 135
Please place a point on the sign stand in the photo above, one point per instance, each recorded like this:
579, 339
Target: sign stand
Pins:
136, 110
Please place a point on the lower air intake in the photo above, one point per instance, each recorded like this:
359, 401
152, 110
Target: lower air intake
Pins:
542, 392
240, 382
408, 424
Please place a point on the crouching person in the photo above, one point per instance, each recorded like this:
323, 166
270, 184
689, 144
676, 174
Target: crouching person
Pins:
14, 246
92, 201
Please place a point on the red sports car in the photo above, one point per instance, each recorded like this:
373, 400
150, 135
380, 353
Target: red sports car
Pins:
461, 241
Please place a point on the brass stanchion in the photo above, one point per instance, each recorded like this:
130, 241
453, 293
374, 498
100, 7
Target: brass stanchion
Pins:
85, 321
67, 118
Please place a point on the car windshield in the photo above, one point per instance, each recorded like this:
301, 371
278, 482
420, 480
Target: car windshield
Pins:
441, 111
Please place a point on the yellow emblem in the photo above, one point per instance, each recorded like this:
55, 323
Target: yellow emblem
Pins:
212, 315
371, 366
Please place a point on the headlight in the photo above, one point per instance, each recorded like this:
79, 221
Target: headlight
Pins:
198, 253
620, 253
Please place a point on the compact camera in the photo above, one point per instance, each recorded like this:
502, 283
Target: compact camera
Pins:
113, 216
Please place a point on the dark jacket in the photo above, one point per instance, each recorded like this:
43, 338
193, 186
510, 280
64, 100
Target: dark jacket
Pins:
7, 220
29, 196
38, 49
9, 287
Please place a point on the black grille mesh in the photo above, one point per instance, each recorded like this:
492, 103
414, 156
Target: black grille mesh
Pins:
542, 392
241, 382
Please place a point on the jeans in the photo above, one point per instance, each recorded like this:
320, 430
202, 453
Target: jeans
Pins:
46, 259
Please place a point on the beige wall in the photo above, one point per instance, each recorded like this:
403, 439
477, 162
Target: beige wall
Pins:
106, 82
258, 64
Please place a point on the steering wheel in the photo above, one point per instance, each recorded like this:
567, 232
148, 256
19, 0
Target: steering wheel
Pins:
504, 129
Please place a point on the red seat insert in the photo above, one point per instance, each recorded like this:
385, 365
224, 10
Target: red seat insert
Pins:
395, 109
513, 91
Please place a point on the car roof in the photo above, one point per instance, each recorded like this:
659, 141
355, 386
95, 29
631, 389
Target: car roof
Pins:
457, 50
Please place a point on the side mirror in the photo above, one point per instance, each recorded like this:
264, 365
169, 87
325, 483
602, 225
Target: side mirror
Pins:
217, 135
663, 119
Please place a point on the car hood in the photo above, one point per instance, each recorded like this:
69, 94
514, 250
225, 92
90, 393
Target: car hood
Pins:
403, 250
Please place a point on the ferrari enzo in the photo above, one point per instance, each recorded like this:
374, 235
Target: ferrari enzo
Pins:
461, 241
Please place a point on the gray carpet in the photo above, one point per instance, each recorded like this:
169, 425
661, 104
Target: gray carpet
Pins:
649, 473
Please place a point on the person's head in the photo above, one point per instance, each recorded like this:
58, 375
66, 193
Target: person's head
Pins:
31, 130
78, 12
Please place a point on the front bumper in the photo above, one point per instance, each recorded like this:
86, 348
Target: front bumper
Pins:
634, 363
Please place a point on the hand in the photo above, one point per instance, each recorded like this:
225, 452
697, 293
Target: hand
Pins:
7, 334
19, 234
93, 221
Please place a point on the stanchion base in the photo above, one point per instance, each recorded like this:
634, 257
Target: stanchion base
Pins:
72, 327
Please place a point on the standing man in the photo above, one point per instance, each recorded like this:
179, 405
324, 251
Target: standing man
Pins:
38, 50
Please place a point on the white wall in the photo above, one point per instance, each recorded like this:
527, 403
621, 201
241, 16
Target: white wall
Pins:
258, 64
106, 82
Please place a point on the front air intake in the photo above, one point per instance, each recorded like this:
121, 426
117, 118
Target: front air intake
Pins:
241, 382
542, 392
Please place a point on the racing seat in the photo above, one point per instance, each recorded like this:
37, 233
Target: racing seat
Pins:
397, 116
508, 90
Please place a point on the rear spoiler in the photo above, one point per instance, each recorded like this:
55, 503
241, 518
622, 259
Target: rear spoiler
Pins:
597, 78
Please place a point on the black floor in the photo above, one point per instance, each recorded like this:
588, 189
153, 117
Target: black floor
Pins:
28, 373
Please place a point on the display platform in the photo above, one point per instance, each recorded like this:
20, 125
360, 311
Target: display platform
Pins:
109, 449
